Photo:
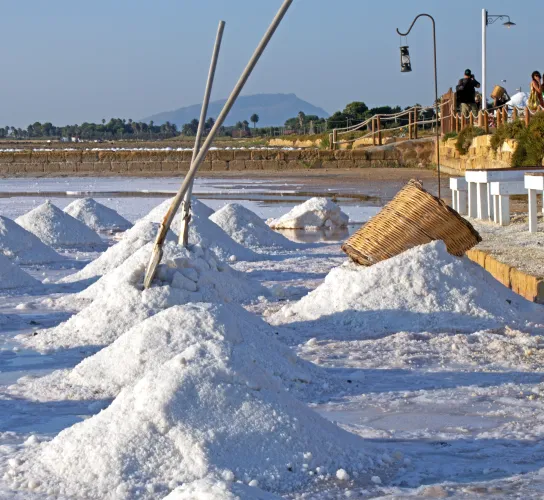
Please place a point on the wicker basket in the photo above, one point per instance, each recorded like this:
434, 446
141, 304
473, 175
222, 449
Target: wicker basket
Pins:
413, 217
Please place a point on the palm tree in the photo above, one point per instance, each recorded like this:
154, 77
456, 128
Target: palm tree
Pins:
254, 119
301, 117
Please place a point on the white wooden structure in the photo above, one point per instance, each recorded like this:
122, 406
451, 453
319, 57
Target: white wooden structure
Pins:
533, 183
500, 193
480, 203
459, 190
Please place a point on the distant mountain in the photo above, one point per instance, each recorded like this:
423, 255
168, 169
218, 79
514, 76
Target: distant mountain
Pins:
273, 109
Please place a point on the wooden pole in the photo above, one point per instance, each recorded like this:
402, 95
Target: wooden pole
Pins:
331, 143
456, 119
527, 116
156, 254
379, 124
498, 115
515, 114
463, 122
334, 138
186, 204
504, 115
373, 131
481, 119
486, 121
410, 132
415, 122
471, 119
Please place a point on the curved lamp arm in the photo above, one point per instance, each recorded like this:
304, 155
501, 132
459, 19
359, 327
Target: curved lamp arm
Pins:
435, 88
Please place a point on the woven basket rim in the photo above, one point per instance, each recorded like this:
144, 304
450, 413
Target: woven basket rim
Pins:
417, 184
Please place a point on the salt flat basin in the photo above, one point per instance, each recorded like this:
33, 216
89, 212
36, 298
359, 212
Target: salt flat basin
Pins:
411, 421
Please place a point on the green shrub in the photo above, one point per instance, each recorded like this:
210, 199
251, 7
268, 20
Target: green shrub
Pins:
449, 135
530, 149
512, 130
465, 137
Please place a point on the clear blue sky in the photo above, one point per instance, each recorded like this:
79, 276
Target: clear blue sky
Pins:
69, 61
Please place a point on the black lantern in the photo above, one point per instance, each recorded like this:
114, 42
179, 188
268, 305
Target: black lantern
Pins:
405, 65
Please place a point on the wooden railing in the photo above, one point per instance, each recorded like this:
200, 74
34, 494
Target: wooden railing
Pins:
449, 119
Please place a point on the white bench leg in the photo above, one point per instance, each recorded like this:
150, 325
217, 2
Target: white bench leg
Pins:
454, 199
472, 202
490, 205
462, 202
482, 201
532, 210
496, 209
504, 210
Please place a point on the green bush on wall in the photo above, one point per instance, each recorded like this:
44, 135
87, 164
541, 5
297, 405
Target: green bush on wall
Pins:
530, 149
465, 138
512, 130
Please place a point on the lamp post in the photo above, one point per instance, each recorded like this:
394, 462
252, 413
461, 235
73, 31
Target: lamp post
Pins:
406, 66
488, 19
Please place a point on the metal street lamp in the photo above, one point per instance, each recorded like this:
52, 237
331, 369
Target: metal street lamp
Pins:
488, 19
406, 66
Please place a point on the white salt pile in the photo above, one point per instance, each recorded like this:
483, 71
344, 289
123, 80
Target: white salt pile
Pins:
154, 341
202, 231
219, 489
120, 301
97, 216
197, 207
51, 225
423, 289
202, 413
312, 214
142, 233
248, 229
22, 246
12, 276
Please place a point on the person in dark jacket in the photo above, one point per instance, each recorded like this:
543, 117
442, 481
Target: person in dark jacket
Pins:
466, 93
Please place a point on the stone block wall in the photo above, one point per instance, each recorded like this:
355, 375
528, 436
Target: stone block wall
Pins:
102, 163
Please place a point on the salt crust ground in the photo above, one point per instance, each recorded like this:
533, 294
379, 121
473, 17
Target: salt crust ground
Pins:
58, 229
248, 229
97, 216
313, 213
423, 289
202, 231
208, 410
12, 276
119, 300
213, 489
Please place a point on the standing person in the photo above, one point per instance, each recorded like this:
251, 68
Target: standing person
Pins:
535, 97
466, 93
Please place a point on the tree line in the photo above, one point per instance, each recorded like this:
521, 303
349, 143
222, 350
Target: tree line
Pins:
116, 128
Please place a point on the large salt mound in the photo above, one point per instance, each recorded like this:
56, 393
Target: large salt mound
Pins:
314, 213
202, 413
139, 235
248, 229
202, 231
214, 489
11, 276
423, 289
22, 246
120, 301
154, 341
97, 216
55, 228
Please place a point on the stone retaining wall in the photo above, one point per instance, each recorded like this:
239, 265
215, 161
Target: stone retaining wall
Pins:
480, 155
58, 163
526, 285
